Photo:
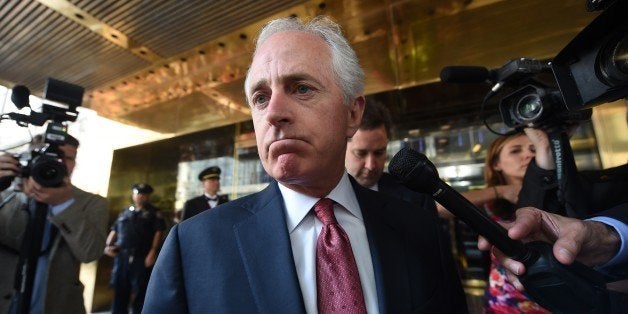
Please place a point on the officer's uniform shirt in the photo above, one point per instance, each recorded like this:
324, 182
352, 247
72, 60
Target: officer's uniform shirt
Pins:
136, 228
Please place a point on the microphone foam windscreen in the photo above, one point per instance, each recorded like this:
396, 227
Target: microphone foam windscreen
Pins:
19, 96
403, 162
464, 74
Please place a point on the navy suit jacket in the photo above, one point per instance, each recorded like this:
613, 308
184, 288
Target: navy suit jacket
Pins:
237, 258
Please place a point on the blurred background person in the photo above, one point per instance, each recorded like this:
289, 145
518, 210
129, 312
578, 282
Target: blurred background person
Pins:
134, 242
503, 179
504, 168
366, 156
210, 178
74, 233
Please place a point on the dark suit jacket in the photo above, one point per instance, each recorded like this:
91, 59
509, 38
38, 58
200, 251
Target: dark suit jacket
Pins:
199, 204
598, 190
82, 230
238, 258
390, 185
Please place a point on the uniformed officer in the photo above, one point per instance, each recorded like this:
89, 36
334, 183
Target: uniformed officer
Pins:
210, 177
133, 243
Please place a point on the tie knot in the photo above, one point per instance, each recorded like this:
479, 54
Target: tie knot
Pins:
324, 210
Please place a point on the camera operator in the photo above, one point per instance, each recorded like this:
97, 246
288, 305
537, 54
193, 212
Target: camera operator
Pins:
74, 233
603, 189
605, 198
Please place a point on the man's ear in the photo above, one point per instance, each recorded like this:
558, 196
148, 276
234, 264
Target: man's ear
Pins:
354, 116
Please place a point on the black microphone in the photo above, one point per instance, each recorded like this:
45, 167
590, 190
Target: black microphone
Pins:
19, 96
420, 174
465, 74
573, 288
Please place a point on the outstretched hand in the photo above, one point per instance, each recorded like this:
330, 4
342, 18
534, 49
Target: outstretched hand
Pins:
590, 242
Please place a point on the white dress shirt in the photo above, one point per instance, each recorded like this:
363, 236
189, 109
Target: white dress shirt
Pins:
304, 228
211, 201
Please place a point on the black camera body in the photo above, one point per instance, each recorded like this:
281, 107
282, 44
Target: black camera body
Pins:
534, 103
591, 70
44, 162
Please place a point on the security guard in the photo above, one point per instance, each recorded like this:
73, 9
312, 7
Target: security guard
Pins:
133, 243
210, 177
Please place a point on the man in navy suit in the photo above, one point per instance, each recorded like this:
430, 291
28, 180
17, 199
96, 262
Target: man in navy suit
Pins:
210, 178
257, 254
367, 153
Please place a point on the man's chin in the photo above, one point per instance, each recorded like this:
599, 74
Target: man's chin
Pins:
367, 183
285, 169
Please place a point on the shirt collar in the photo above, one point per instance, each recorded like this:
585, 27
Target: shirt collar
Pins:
210, 196
298, 205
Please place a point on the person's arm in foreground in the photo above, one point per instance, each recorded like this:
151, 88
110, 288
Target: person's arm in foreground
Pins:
590, 242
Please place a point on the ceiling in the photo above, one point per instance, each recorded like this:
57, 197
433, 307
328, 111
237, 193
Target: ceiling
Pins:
179, 66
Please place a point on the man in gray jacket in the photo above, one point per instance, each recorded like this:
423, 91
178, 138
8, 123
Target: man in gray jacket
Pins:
74, 233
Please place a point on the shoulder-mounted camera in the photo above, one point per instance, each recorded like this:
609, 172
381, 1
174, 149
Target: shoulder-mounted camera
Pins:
44, 162
591, 70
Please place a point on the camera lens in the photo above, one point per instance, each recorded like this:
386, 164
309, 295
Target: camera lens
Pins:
613, 60
620, 58
48, 171
529, 107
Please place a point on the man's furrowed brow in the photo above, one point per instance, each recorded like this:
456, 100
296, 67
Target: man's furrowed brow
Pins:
299, 77
283, 80
259, 84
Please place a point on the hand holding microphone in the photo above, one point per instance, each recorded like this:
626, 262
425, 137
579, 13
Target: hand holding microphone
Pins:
571, 288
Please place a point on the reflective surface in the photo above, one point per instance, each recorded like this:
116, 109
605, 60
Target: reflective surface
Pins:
191, 75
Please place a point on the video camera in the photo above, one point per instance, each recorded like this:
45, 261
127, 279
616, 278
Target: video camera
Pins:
592, 69
44, 163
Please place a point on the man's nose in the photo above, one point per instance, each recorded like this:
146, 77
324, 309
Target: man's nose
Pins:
370, 163
278, 111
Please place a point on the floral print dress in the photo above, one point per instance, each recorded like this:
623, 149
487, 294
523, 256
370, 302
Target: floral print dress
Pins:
501, 296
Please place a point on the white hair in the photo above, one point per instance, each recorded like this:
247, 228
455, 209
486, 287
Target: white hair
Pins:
346, 67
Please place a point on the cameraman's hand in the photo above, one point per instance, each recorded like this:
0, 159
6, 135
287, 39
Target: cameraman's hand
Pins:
111, 250
9, 166
543, 155
50, 196
150, 259
590, 242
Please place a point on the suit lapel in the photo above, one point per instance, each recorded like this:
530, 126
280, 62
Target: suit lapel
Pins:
266, 252
387, 253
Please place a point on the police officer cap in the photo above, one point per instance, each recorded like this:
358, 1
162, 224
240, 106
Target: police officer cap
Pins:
209, 173
143, 188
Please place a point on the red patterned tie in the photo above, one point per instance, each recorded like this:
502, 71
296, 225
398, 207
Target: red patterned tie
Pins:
337, 277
